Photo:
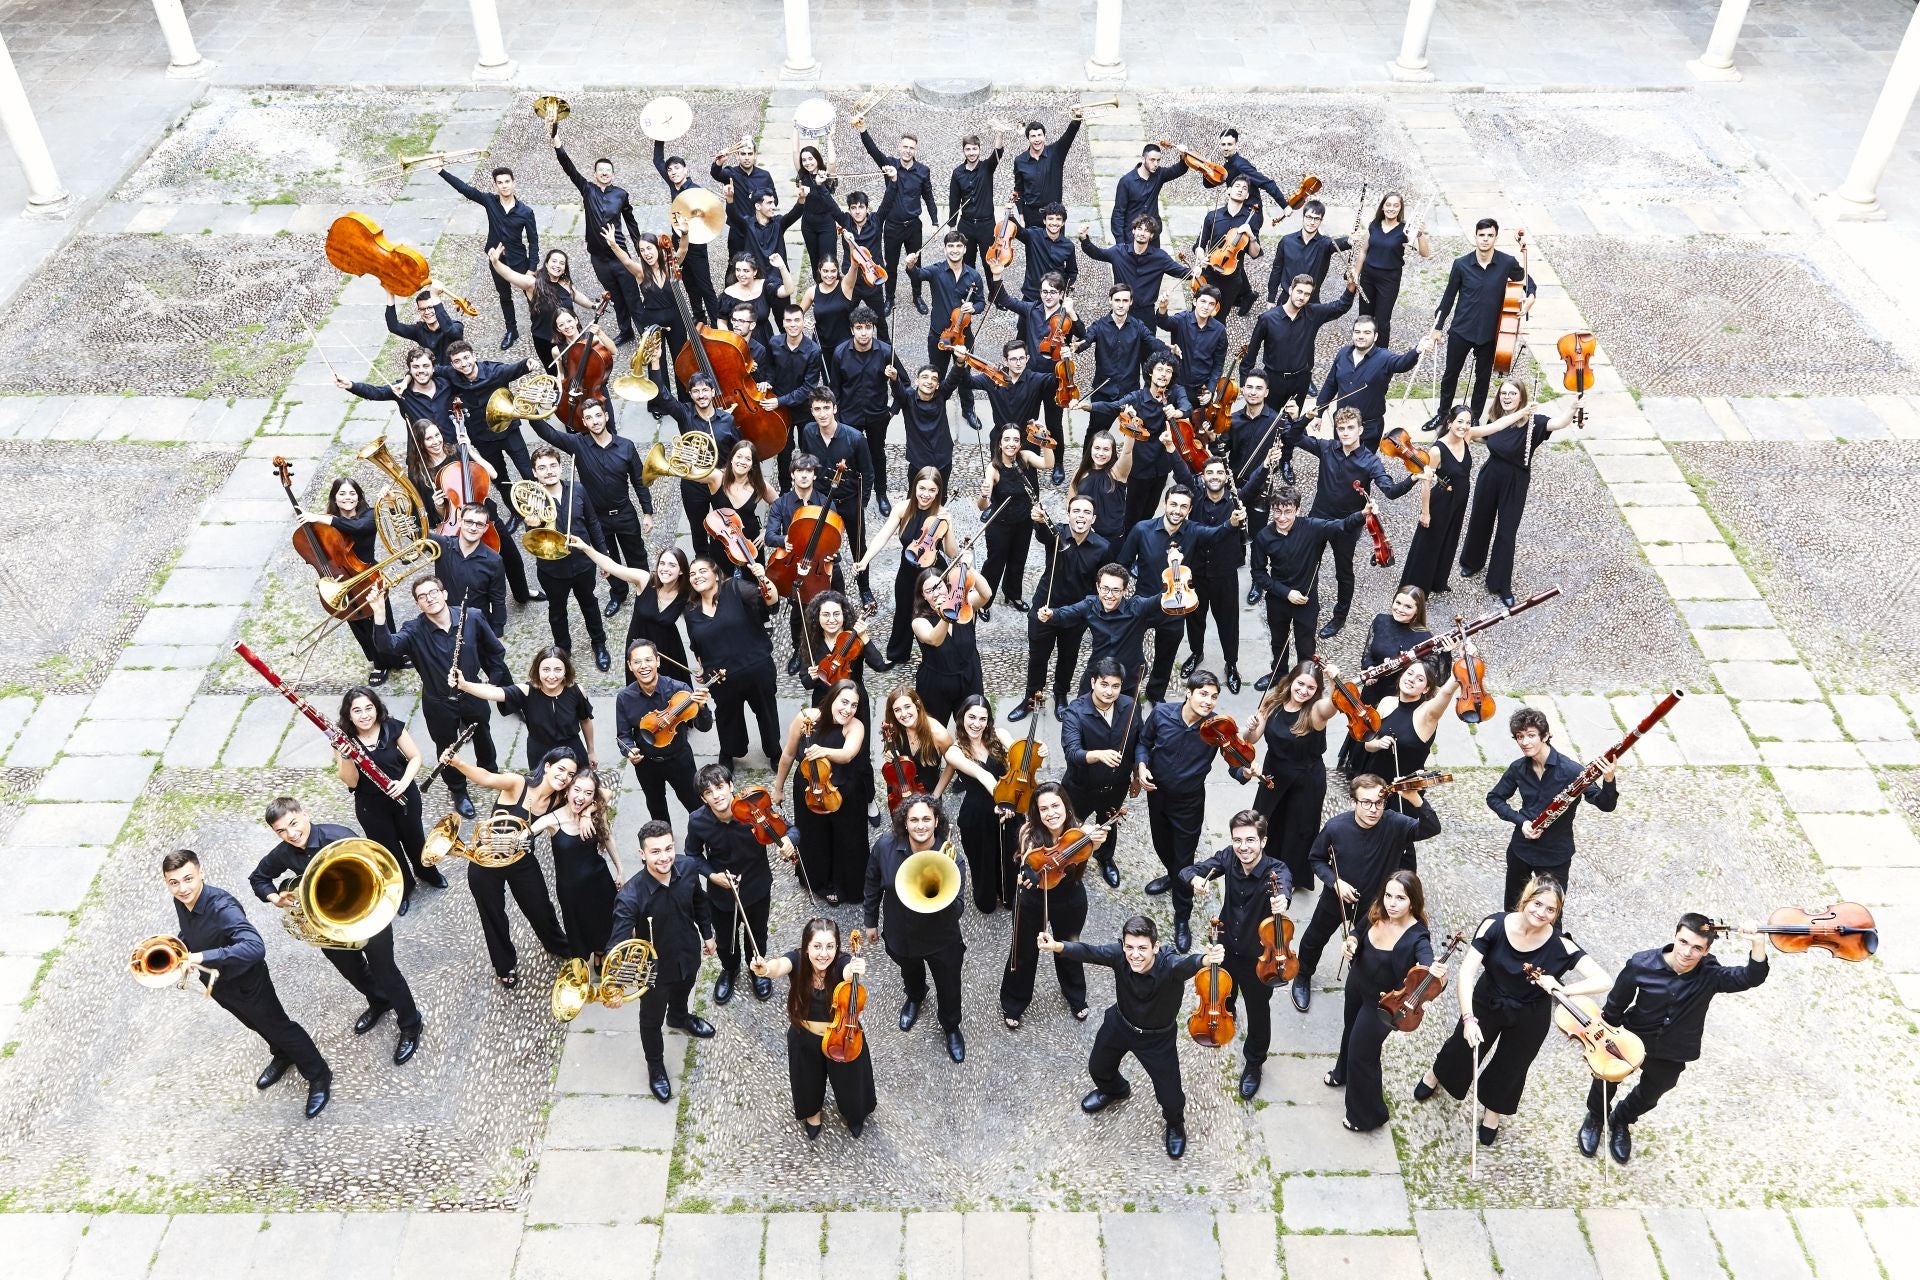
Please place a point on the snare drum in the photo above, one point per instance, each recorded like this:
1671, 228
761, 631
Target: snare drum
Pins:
813, 118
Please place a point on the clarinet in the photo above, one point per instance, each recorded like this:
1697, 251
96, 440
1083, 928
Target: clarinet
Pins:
341, 741
1591, 774
1401, 661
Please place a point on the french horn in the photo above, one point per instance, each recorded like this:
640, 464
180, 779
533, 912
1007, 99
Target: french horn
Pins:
530, 398
536, 505
691, 457
628, 969
161, 961
347, 895
636, 385
500, 841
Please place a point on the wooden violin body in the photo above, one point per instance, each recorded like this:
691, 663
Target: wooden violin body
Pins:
844, 1040
838, 662
991, 373
1212, 1022
356, 245
1308, 186
959, 606
1363, 719
1127, 422
1844, 930
1405, 1006
869, 268
1224, 258
1211, 172
1382, 549
1049, 864
1017, 785
1612, 1053
662, 725
902, 777
1179, 596
1187, 444
924, 551
959, 328
754, 806
1221, 732
725, 526
1278, 962
1000, 252
1399, 443
1473, 704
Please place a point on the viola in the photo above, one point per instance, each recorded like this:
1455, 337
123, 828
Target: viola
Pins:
328, 550
1382, 549
1507, 342
1017, 785
721, 354
1212, 1023
583, 374
1211, 172
1127, 422
821, 795
754, 807
992, 373
1179, 596
1613, 1053
869, 268
959, 606
902, 778
924, 550
1223, 733
1308, 186
463, 481
838, 661
1005, 232
1363, 720
1403, 1007
356, 245
1277, 962
1224, 258
844, 1041
959, 325
661, 725
1844, 930
1399, 443
817, 532
1473, 704
1186, 443
726, 528
1048, 864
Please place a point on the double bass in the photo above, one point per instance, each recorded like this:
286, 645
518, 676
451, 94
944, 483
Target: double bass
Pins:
843, 1040
721, 355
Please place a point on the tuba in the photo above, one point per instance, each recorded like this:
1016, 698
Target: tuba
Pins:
500, 841
161, 961
348, 893
532, 397
628, 969
928, 882
635, 384
692, 457
532, 501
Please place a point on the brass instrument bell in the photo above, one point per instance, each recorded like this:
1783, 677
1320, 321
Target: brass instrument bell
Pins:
702, 212
692, 457
347, 895
552, 108
628, 968
161, 961
637, 385
537, 507
928, 882
500, 841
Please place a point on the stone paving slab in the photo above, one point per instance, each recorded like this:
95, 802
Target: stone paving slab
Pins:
1686, 523
225, 546
1727, 613
46, 730
1707, 582
1837, 1243
1766, 680
1820, 755
1685, 1245
612, 1063
49, 879
1152, 1246
866, 1246
297, 1246
93, 778
31, 935
196, 657
569, 1253
144, 695
1759, 1244
1862, 840
1344, 1203
1749, 644
1621, 1248
206, 1246
1831, 790
1249, 1247
791, 1248
934, 1247
1301, 1138
1707, 730
69, 824
1455, 1244
998, 1246
14, 714
258, 733
585, 1122
205, 728
1892, 1233
209, 586
1539, 1244
600, 1186
1873, 717
1874, 885
710, 1246
1791, 721
213, 625
458, 1246
116, 1246
40, 1244
1352, 1258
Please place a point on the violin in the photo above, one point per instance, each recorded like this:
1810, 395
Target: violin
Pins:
1219, 407
1005, 232
583, 373
1363, 720
837, 662
1399, 443
1224, 258
725, 526
924, 550
1039, 437
754, 807
958, 326
1844, 930
464, 481
662, 724
722, 355
1222, 732
1017, 785
1506, 344
356, 246
1613, 1053
1127, 422
843, 1040
992, 373
1382, 549
1277, 963
1578, 350
821, 795
1211, 172
902, 778
1179, 596
1066, 376
1418, 780
328, 550
959, 606
1212, 1023
1473, 704
1308, 186
869, 268
818, 532
1403, 1008
1048, 864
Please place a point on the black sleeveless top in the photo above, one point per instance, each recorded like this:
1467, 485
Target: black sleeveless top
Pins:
747, 507
1109, 498
1385, 639
662, 626
976, 801
520, 808
819, 999
1290, 753
387, 757
1408, 751
733, 638
1503, 978
548, 301
551, 722
831, 327
957, 655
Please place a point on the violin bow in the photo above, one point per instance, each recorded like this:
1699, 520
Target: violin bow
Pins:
1346, 928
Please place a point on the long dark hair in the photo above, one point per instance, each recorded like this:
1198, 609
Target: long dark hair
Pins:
921, 609
800, 982
333, 494
1410, 885
602, 824
996, 749
1086, 466
1034, 833
352, 696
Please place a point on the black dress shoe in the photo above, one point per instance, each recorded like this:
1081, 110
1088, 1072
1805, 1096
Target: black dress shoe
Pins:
1487, 1136
1182, 937
1422, 1091
317, 1098
793, 664
613, 606
1111, 874
276, 1068
1250, 1082
1507, 599
377, 677
1018, 714
1302, 994
463, 806
370, 1019
1018, 605
1590, 1134
1059, 476
972, 420
812, 1128
986, 614
623, 337
658, 1083
404, 1047
1176, 1141
1186, 668
885, 504
920, 305
1253, 595
1099, 1100
536, 597
1233, 680
1286, 471
601, 658
1331, 630
1619, 1138
763, 989
406, 905
512, 336
723, 988
909, 1014
697, 1027
1158, 885
432, 876
1263, 684
956, 1047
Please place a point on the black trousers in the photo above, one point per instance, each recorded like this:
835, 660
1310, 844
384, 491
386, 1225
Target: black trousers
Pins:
894, 237
1657, 1076
942, 361
1008, 538
942, 692
900, 635
497, 449
618, 281
362, 629
945, 965
504, 290
1342, 545
695, 501
1166, 647
444, 723
1328, 911
697, 274
562, 591
622, 527
876, 434
489, 886
665, 1002
396, 826
727, 926
1066, 913
1174, 821
810, 1071
656, 773
1291, 807
375, 974
1457, 351
990, 846
822, 241
1518, 873
1381, 290
1512, 1039
750, 687
1157, 1051
1364, 1033
1301, 621
1098, 802
1493, 525
1284, 385
1259, 1002
979, 239
1143, 495
1048, 642
251, 999
1220, 596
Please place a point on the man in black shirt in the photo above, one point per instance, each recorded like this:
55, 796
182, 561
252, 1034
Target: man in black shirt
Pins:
698, 412
795, 366
903, 226
1540, 774
573, 577
424, 396
1285, 335
1305, 253
1238, 166
612, 472
1073, 552
832, 442
955, 286
1117, 620
1150, 548
1216, 565
1360, 375
916, 939
1038, 172
1138, 191
735, 865
1171, 763
607, 208
474, 382
435, 329
1143, 266
1199, 342
1286, 571
665, 905
1662, 995
470, 570
696, 272
970, 194
1049, 249
1478, 283
1122, 342
1149, 984
657, 768
219, 938
370, 968
742, 176
1257, 889
865, 371
512, 226
1347, 470
1098, 731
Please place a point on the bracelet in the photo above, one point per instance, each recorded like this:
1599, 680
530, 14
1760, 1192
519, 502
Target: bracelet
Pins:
1470, 1018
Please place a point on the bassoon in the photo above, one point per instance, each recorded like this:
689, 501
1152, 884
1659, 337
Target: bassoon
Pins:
1599, 765
341, 740
1401, 661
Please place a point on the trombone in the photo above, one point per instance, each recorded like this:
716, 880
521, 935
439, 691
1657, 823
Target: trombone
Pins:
405, 165
161, 961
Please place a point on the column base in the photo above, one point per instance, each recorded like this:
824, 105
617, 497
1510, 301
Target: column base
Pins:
809, 72
1705, 71
1106, 70
1409, 75
498, 73
1842, 208
49, 210
189, 71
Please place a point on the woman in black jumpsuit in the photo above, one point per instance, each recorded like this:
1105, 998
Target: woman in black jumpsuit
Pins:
1394, 939
1062, 909
1292, 720
1443, 508
389, 822
1008, 491
910, 519
647, 265
526, 797
1493, 526
586, 870
987, 835
1402, 626
833, 846
817, 968
949, 653
727, 623
1380, 273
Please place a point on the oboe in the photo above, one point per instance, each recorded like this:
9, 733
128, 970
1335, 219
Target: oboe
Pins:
341, 740
1599, 765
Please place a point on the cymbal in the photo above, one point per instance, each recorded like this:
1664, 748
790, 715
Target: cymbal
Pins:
551, 108
705, 215
666, 118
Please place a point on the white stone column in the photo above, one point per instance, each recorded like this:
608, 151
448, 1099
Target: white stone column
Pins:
45, 195
1856, 199
1105, 64
1412, 62
800, 63
494, 63
183, 57
1717, 62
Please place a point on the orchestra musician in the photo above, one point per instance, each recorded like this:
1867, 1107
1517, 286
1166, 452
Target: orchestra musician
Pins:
1540, 774
989, 836
1281, 344
735, 864
1059, 912
1072, 551
1171, 763
550, 703
390, 816
572, 579
1477, 285
817, 969
1039, 171
528, 797
609, 214
586, 869
918, 940
433, 330
1098, 732
1343, 461
657, 767
1138, 191
667, 906
902, 229
1247, 899
1500, 499
512, 228
1286, 569
1305, 253
612, 473
1394, 939
832, 846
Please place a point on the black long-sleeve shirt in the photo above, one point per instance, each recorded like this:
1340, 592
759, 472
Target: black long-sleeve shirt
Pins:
1203, 349
915, 180
908, 933
1555, 844
970, 192
1151, 461
1238, 166
479, 579
1248, 898
435, 404
1296, 255
1140, 272
608, 207
1178, 756
488, 376
1368, 855
1363, 384
1334, 496
1290, 561
1038, 182
949, 290
1134, 195
1250, 434
1034, 320
674, 916
929, 439
722, 844
633, 702
1144, 550
1668, 1010
607, 470
1017, 403
860, 382
1084, 729
285, 864
447, 330
766, 240
719, 426
746, 188
849, 445
1478, 292
219, 930
1118, 633
1077, 563
574, 513
1220, 557
794, 372
516, 230
1119, 354
1287, 341
1046, 253
1148, 1002
430, 650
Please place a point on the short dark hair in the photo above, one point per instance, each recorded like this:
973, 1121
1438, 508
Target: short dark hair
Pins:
1251, 374
1140, 927
1053, 209
1112, 571
425, 295
1230, 132
1179, 491
1011, 345
803, 462
1115, 290
458, 347
1201, 679
1151, 149
1529, 718
1248, 818
1106, 669
280, 806
971, 140
1302, 278
857, 198
548, 451
862, 314
501, 170
418, 352
823, 395
641, 642
676, 160
1486, 224
738, 307
1364, 782
1032, 125
602, 160
653, 831
711, 776
1286, 496
953, 237
1055, 278
702, 380
1147, 220
1315, 208
1694, 922
1207, 291
178, 859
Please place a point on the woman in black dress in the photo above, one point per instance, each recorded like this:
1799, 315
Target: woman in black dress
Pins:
819, 211
1443, 508
737, 485
586, 870
1292, 719
1395, 939
648, 267
833, 846
553, 707
1008, 490
347, 511
988, 834
1493, 526
747, 285
817, 968
910, 738
549, 291
659, 600
1408, 722
949, 653
826, 620
527, 797
1504, 1015
910, 520
1102, 477
831, 302
727, 623
389, 817
1062, 910
1402, 626
1380, 273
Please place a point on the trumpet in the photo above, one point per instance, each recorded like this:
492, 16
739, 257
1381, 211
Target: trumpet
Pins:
536, 505
502, 840
692, 457
161, 961
407, 164
627, 969
635, 384
929, 881
347, 895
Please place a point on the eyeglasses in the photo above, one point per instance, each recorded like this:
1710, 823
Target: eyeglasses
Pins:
1381, 803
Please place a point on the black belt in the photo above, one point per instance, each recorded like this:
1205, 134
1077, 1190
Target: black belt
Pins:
1144, 1031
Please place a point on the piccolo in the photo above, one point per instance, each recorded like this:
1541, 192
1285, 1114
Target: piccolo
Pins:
1599, 765
1407, 657
340, 740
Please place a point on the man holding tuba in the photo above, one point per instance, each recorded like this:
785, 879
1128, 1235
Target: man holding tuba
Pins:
370, 967
218, 935
919, 880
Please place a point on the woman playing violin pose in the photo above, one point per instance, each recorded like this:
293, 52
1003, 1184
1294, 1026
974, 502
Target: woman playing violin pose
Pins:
390, 816
554, 708
527, 797
1292, 719
988, 836
738, 485
1008, 490
1256, 891
586, 869
925, 527
1443, 507
818, 969
660, 597
726, 622
914, 748
1500, 500
1394, 940
1048, 851
832, 626
949, 653
550, 292
1505, 1015
832, 844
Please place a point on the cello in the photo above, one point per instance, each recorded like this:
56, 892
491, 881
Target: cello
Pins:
1363, 719
1613, 1053
1212, 1023
328, 550
1382, 549
583, 374
1277, 962
1844, 930
819, 531
464, 482
843, 1040
1473, 704
1507, 343
721, 355
1016, 786
1401, 1009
